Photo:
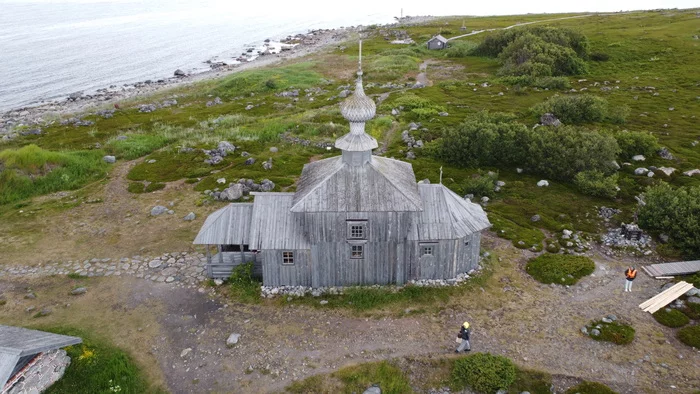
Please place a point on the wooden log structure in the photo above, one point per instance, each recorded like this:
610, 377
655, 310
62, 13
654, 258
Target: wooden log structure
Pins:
665, 297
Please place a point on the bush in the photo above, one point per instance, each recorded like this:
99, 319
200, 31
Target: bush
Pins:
533, 56
264, 80
595, 183
390, 378
559, 269
534, 382
671, 317
633, 143
494, 44
600, 56
615, 332
418, 106
460, 49
590, 388
244, 286
674, 212
486, 139
32, 171
579, 108
483, 372
480, 185
690, 336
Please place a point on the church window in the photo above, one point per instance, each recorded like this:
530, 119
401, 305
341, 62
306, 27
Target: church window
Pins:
357, 229
288, 258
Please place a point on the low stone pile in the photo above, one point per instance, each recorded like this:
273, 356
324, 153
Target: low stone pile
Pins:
76, 122
288, 137
595, 331
410, 141
607, 213
243, 187
217, 155
214, 102
616, 239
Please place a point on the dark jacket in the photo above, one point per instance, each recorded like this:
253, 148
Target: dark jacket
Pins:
464, 333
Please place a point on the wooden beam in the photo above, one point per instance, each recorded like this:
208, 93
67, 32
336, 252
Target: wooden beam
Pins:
665, 297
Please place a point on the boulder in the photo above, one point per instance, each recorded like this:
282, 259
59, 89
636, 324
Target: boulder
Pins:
268, 164
665, 154
410, 155
109, 159
638, 158
344, 93
535, 218
75, 95
373, 390
693, 300
692, 172
225, 146
549, 119
232, 193
267, 185
158, 210
79, 291
179, 73
232, 339
692, 292
249, 161
667, 170
640, 171
394, 111
274, 149
542, 183
185, 352
221, 181
190, 217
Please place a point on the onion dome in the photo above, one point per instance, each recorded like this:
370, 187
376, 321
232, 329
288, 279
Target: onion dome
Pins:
358, 107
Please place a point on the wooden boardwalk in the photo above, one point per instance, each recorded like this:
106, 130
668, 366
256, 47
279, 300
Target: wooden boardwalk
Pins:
665, 297
672, 269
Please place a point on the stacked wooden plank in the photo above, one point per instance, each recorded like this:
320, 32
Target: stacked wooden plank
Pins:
665, 297
672, 269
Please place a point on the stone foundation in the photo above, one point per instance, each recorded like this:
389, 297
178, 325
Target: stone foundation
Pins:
39, 374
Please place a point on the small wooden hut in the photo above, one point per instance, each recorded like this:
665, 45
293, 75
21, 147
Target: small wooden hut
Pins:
437, 42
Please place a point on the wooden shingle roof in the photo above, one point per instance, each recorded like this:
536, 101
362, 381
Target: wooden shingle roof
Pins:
446, 215
380, 185
273, 225
17, 342
439, 38
227, 226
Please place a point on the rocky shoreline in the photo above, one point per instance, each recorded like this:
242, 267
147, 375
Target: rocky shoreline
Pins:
271, 52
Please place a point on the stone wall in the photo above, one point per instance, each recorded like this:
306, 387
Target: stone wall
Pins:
40, 374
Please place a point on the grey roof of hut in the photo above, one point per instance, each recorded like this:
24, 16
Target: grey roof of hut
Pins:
273, 225
17, 343
440, 38
380, 185
229, 225
446, 215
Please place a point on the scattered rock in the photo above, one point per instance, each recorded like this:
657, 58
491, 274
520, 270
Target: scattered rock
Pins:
410, 155
185, 352
665, 154
267, 185
249, 161
641, 171
667, 170
692, 172
274, 149
190, 217
535, 218
232, 339
549, 119
78, 291
221, 181
179, 73
595, 332
232, 193
542, 183
268, 164
109, 159
158, 210
323, 302
30, 296
638, 158
373, 390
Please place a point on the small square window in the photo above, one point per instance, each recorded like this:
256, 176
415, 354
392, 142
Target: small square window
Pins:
357, 229
287, 258
357, 251
427, 251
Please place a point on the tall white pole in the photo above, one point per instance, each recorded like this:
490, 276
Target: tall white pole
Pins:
360, 55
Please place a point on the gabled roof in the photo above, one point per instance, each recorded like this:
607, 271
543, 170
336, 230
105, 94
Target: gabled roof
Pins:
380, 185
227, 226
17, 342
446, 215
439, 38
274, 226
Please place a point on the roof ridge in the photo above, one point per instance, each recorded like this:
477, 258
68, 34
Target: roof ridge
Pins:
318, 184
391, 181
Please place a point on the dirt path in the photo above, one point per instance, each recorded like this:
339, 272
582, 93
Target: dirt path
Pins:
520, 24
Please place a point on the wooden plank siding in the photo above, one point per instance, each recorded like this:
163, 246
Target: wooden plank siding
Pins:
222, 270
275, 273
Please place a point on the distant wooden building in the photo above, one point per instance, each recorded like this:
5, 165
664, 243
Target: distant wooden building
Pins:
437, 42
355, 219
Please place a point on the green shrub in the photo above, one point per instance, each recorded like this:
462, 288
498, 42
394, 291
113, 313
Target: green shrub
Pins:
483, 372
633, 143
534, 382
533, 56
418, 106
615, 332
559, 269
32, 171
595, 183
674, 212
480, 185
98, 367
460, 48
690, 336
495, 43
244, 286
590, 388
299, 75
671, 317
580, 108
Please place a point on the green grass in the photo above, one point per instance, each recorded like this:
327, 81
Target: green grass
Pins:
299, 76
99, 367
534, 382
136, 145
243, 286
671, 317
559, 269
586, 387
615, 332
356, 379
690, 336
32, 171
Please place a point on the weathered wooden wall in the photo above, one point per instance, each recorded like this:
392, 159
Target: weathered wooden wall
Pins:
277, 274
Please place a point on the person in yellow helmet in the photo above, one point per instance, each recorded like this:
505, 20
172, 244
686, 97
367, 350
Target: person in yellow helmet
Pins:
464, 333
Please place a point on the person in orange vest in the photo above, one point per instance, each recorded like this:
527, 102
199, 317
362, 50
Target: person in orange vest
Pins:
630, 274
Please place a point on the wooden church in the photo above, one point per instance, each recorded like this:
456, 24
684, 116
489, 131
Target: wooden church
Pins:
355, 219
